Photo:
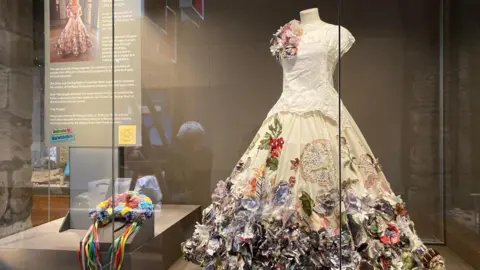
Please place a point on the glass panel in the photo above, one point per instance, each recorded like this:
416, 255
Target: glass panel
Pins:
56, 134
395, 98
215, 84
461, 132
392, 131
145, 105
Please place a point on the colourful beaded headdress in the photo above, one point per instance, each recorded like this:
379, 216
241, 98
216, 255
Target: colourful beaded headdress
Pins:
131, 207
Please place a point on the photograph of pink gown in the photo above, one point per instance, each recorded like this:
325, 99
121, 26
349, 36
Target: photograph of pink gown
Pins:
74, 39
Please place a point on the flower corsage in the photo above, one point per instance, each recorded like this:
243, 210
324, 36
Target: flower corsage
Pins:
284, 43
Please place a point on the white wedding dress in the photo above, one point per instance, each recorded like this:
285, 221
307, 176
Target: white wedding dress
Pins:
284, 205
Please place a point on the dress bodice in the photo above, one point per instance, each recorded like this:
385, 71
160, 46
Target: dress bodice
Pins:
308, 76
74, 12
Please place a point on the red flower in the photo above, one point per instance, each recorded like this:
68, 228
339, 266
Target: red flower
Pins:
295, 163
292, 180
133, 203
384, 262
253, 185
400, 210
276, 145
391, 235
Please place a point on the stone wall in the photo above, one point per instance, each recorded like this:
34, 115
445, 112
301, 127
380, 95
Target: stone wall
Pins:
422, 128
463, 85
16, 91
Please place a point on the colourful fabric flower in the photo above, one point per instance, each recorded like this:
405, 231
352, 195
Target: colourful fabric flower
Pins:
400, 210
250, 204
131, 205
285, 42
391, 235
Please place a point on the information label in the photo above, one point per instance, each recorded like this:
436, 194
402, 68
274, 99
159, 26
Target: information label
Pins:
90, 99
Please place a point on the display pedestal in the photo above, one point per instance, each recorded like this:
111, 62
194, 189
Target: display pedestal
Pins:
58, 250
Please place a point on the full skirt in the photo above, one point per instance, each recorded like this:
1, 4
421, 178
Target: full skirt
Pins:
307, 196
74, 38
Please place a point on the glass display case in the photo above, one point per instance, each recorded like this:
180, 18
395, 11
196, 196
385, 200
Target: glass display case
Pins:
259, 134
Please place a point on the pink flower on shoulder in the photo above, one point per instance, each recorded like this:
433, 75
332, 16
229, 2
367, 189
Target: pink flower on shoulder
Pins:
284, 44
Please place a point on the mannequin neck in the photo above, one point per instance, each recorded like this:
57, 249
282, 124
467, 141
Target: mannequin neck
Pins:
310, 16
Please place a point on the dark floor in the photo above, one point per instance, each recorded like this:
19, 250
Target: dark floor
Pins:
453, 261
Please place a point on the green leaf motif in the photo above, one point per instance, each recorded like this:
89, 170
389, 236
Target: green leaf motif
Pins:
254, 142
272, 163
275, 132
375, 163
307, 203
264, 144
275, 128
352, 167
343, 140
348, 183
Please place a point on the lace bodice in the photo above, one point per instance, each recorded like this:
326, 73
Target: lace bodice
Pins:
308, 76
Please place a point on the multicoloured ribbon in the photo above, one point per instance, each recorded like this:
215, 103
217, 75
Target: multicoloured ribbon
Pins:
131, 206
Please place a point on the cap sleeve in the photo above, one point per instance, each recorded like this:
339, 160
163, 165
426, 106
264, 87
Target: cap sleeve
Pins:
346, 40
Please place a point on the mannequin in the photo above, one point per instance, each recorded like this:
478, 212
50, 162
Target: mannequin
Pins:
310, 16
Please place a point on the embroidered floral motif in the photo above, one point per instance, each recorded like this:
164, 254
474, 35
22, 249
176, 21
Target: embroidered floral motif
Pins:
259, 172
292, 180
371, 169
295, 163
273, 180
371, 180
274, 143
252, 187
259, 176
285, 41
348, 161
241, 167
317, 163
253, 143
